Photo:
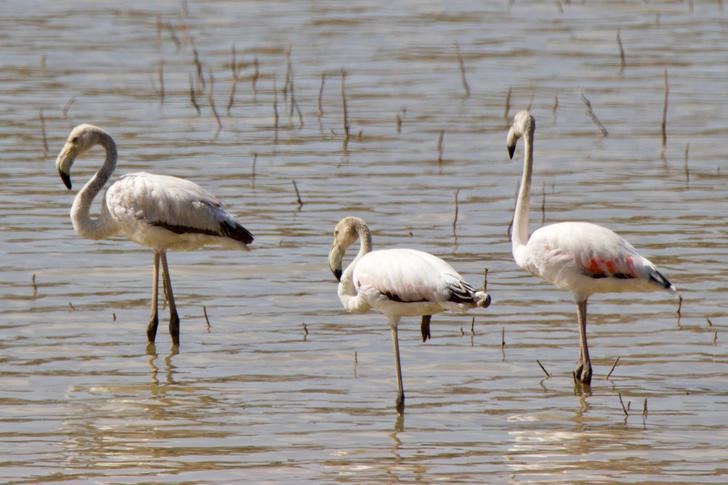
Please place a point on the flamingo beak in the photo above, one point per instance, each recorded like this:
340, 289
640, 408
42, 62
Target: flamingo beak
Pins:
65, 178
335, 258
511, 151
64, 161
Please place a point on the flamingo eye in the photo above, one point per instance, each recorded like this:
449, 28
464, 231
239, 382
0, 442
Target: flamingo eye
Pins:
74, 140
336, 233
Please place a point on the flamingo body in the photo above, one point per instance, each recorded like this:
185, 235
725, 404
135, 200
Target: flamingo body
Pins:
398, 283
408, 282
586, 258
164, 212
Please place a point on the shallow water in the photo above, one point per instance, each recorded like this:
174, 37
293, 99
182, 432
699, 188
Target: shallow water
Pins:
254, 397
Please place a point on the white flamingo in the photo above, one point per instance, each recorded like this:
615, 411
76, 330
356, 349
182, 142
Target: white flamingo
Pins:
581, 257
398, 283
158, 211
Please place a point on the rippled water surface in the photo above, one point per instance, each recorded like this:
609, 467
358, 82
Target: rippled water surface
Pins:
261, 397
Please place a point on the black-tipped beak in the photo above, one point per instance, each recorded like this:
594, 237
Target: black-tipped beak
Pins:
511, 151
337, 274
486, 303
66, 179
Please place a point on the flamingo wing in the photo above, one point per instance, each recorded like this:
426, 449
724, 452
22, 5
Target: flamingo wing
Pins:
411, 276
558, 252
174, 204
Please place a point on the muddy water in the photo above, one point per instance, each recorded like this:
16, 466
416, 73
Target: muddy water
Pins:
255, 398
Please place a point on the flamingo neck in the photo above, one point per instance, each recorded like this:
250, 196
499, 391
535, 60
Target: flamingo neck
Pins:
99, 227
365, 240
348, 295
520, 218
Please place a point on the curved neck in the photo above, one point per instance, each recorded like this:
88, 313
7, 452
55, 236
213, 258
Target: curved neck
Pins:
350, 299
365, 240
520, 218
100, 227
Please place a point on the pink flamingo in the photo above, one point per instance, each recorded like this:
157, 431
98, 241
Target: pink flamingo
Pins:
157, 211
397, 282
581, 257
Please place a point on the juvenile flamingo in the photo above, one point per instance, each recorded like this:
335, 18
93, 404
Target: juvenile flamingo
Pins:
398, 283
581, 257
157, 211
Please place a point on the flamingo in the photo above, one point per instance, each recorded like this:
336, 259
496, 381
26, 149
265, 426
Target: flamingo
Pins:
581, 257
398, 283
157, 211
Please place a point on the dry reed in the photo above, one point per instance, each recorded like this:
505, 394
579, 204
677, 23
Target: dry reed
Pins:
466, 87
593, 116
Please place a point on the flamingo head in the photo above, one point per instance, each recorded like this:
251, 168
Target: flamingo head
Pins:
79, 141
346, 233
523, 123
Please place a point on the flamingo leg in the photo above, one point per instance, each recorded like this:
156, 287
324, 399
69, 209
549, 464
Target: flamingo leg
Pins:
154, 320
398, 365
583, 372
425, 327
173, 317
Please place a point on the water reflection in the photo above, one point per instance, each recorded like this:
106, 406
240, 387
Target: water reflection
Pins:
582, 392
393, 468
256, 399
168, 366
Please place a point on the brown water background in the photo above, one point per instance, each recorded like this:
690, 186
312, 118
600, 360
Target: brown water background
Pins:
253, 398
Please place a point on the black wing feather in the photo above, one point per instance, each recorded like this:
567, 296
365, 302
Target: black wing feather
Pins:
658, 278
233, 230
462, 293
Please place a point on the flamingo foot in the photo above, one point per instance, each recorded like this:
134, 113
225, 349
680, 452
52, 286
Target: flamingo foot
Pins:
425, 327
152, 329
400, 403
583, 373
151, 349
174, 328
